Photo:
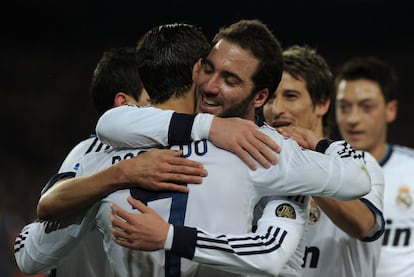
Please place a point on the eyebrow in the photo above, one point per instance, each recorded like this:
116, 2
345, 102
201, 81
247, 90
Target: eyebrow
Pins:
224, 73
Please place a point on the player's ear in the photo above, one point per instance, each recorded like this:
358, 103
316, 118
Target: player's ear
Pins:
391, 110
260, 98
196, 69
121, 98
322, 108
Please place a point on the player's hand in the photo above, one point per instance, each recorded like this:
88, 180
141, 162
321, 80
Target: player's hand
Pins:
244, 138
304, 137
146, 231
161, 169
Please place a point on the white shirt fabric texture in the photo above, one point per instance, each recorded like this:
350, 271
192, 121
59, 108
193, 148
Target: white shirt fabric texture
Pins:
397, 252
126, 135
41, 246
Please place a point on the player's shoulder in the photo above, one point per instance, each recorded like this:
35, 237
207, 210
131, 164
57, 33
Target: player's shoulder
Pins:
402, 151
272, 132
89, 145
94, 161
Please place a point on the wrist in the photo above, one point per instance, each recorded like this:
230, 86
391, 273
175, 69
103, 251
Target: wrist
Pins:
202, 126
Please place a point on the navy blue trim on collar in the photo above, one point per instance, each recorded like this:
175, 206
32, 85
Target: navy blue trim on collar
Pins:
387, 156
259, 121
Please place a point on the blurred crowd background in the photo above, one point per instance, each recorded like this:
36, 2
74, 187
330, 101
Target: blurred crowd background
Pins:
49, 50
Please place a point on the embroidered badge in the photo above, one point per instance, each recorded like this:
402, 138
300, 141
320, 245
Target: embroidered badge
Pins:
314, 212
285, 210
404, 199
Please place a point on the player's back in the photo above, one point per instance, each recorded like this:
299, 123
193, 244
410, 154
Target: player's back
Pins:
223, 202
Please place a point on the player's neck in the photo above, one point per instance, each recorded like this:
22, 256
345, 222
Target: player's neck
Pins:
318, 130
184, 104
379, 151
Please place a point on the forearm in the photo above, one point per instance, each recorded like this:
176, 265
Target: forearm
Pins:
70, 195
360, 218
353, 217
264, 252
351, 172
132, 127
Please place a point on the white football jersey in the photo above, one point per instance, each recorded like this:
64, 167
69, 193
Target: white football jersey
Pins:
332, 252
221, 208
49, 246
397, 252
122, 127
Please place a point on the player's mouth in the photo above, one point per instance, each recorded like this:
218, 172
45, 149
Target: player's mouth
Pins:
208, 105
355, 135
281, 123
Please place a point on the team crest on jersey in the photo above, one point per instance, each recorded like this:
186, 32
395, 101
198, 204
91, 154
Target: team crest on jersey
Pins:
314, 212
404, 199
285, 210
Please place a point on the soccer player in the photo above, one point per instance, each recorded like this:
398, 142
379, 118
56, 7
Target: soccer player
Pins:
115, 82
217, 74
61, 247
366, 102
343, 236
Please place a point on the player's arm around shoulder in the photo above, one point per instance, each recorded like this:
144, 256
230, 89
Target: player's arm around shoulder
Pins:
264, 252
133, 126
361, 218
349, 169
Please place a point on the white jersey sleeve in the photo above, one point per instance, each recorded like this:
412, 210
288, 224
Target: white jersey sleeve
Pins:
340, 173
374, 200
40, 246
132, 126
346, 174
278, 234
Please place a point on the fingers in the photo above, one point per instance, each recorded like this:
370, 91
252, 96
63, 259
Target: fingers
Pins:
123, 242
118, 216
137, 204
269, 142
119, 235
246, 158
183, 170
187, 166
261, 147
178, 160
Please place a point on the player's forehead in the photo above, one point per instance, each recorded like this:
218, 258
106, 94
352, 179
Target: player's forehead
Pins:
227, 56
358, 90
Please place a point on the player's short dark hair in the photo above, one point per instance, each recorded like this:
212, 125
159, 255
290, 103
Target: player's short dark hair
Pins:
116, 71
370, 68
303, 62
166, 55
254, 36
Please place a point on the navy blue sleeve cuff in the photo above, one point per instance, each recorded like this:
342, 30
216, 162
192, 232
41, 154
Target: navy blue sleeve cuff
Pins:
377, 213
184, 241
179, 131
57, 177
323, 145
